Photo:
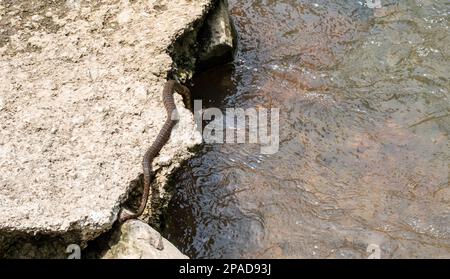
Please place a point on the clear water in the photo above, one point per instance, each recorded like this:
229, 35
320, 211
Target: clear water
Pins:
364, 122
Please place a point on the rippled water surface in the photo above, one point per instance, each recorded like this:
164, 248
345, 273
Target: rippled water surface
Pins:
364, 121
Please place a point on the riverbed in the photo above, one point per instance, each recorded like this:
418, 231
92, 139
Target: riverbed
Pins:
363, 163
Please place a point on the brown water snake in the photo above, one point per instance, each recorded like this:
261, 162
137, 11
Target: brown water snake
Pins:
170, 87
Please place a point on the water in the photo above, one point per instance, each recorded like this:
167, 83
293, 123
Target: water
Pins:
364, 151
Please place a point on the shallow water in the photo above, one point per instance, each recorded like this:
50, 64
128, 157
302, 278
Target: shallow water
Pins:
364, 121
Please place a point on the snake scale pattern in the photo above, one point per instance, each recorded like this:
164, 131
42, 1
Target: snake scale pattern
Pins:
170, 88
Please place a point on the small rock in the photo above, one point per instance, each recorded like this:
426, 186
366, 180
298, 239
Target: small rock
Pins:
220, 38
140, 241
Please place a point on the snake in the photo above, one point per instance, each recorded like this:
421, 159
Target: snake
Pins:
170, 87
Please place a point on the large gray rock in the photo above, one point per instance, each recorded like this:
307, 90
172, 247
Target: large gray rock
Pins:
80, 102
219, 37
139, 241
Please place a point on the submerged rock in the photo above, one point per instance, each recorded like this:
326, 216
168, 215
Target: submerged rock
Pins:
139, 241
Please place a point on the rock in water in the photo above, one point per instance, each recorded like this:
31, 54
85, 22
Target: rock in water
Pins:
219, 37
140, 241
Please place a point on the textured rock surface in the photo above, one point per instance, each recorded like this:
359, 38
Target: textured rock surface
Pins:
139, 241
219, 37
80, 101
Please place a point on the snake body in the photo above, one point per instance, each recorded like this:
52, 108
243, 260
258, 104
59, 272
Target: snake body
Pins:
170, 88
